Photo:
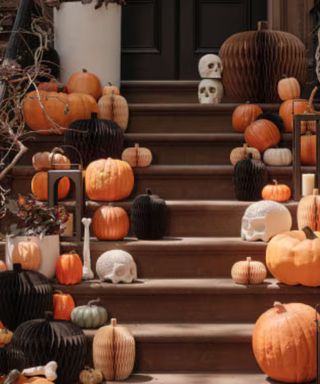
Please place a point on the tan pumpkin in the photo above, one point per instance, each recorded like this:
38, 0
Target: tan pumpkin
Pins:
110, 89
308, 212
109, 180
277, 157
91, 376
262, 134
43, 161
85, 82
114, 351
110, 223
241, 153
248, 272
114, 107
137, 156
308, 149
276, 192
244, 115
28, 254
289, 88
284, 343
39, 186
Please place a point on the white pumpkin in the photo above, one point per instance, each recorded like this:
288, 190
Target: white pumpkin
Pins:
240, 153
277, 156
137, 156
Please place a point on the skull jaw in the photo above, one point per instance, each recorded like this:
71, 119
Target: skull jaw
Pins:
208, 100
117, 280
254, 236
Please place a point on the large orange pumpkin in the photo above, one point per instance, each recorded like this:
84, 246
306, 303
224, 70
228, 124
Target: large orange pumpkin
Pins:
244, 115
69, 269
52, 86
284, 343
289, 108
110, 223
294, 257
276, 192
289, 88
63, 304
28, 254
308, 149
85, 82
39, 186
109, 180
262, 134
81, 106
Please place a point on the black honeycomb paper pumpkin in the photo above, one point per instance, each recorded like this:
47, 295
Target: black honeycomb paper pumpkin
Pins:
250, 176
11, 358
149, 216
44, 340
95, 139
25, 295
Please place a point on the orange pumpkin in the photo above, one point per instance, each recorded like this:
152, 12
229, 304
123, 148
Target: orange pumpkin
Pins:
110, 90
110, 223
81, 106
289, 88
3, 266
284, 343
69, 269
244, 115
39, 186
308, 149
85, 82
289, 108
42, 161
63, 304
262, 134
115, 108
52, 86
109, 180
276, 192
28, 254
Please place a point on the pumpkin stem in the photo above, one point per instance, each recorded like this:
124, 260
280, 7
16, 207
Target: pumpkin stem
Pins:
96, 301
279, 306
263, 25
48, 315
249, 156
94, 115
249, 259
84, 70
114, 322
57, 291
148, 191
17, 267
109, 83
284, 76
310, 235
245, 146
275, 182
136, 145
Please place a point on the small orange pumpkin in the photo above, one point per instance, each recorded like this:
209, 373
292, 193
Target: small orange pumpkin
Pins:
39, 186
42, 161
276, 192
110, 90
69, 269
289, 88
110, 223
3, 266
63, 304
244, 115
262, 134
85, 82
28, 254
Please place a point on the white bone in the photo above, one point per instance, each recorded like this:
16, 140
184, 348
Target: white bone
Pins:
87, 273
49, 371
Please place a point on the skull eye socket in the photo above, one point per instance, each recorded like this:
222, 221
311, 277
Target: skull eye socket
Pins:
211, 65
260, 227
212, 89
202, 90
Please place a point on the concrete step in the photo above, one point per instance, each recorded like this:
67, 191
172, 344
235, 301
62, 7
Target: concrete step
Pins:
192, 348
192, 182
189, 300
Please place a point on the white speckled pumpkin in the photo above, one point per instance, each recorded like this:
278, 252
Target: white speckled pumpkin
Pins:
248, 272
137, 156
240, 153
277, 156
89, 316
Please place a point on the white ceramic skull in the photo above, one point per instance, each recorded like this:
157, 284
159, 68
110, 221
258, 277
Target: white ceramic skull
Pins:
265, 219
210, 91
210, 67
116, 266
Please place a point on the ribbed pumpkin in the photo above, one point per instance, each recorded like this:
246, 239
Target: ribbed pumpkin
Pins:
289, 88
90, 316
247, 77
52, 86
284, 343
149, 216
244, 115
28, 254
85, 82
137, 156
276, 192
114, 107
110, 89
294, 257
63, 305
248, 272
277, 156
262, 134
91, 376
109, 180
240, 153
43, 161
69, 269
114, 351
95, 139
110, 223
3, 266
39, 186
308, 213
290, 108
250, 176
308, 149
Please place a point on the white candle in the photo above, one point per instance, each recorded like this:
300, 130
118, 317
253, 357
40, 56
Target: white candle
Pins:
68, 227
308, 181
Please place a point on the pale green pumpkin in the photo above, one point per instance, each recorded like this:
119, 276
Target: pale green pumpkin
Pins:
89, 316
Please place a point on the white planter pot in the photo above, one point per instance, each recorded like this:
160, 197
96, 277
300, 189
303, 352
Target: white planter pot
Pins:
89, 38
49, 247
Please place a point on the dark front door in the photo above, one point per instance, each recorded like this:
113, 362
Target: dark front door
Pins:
164, 39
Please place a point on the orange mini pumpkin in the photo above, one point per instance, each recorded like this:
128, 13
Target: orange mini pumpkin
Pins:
262, 134
85, 82
3, 266
39, 186
63, 304
289, 88
110, 223
276, 192
69, 269
244, 115
28, 254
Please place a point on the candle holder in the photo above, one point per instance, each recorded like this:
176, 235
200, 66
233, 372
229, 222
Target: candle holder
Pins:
296, 149
75, 174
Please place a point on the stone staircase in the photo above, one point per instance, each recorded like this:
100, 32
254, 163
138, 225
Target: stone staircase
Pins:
192, 324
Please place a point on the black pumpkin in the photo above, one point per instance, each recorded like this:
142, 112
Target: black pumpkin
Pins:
25, 295
250, 176
95, 139
11, 358
149, 216
44, 340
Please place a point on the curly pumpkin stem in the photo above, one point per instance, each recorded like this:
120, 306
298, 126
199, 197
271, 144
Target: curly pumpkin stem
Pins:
310, 235
275, 182
279, 306
114, 322
93, 302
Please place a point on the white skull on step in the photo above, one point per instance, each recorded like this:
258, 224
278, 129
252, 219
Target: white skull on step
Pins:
210, 91
210, 67
265, 219
116, 266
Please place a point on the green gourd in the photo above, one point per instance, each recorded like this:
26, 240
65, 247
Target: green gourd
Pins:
89, 316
